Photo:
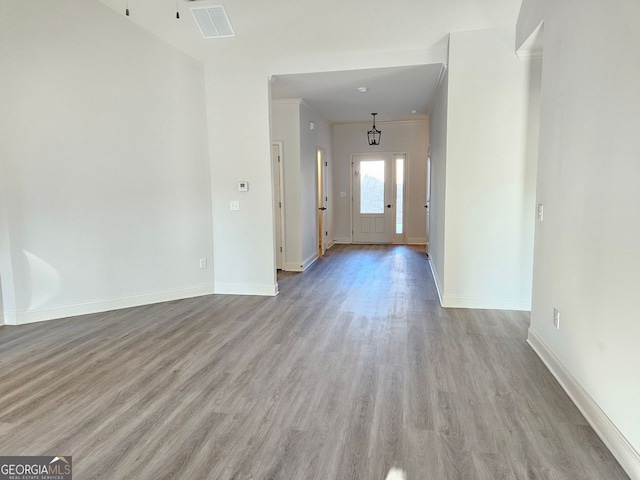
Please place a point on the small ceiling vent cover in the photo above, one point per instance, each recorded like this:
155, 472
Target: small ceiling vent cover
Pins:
213, 21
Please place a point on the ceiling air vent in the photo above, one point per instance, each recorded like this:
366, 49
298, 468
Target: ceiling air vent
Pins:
213, 21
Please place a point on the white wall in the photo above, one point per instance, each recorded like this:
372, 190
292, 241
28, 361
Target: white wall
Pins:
587, 259
104, 163
411, 138
1, 304
438, 137
240, 149
490, 187
7, 292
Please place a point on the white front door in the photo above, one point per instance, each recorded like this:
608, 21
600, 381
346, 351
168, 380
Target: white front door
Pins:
373, 213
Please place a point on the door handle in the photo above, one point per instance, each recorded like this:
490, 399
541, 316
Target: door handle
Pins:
322, 208
388, 206
426, 206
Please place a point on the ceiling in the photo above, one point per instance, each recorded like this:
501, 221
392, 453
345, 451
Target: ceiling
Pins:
392, 92
285, 29
347, 40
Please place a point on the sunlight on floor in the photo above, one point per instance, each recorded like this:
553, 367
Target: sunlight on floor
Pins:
45, 280
396, 474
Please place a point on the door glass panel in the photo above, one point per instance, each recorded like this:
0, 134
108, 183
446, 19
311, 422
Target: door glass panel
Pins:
372, 186
399, 194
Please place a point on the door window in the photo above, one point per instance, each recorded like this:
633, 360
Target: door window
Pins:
399, 195
372, 186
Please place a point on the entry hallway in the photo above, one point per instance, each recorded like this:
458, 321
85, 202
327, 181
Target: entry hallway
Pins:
353, 371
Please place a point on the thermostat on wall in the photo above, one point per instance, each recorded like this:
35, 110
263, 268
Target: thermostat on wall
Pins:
243, 186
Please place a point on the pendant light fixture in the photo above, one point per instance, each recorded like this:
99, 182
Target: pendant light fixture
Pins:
177, 11
374, 134
126, 12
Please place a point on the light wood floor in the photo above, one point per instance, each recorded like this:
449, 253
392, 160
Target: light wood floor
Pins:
354, 369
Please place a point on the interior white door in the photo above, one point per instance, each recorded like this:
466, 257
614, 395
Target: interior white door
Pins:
373, 213
323, 203
277, 198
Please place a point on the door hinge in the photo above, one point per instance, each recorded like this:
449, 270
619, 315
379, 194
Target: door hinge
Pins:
326, 199
326, 234
278, 158
280, 204
280, 249
326, 164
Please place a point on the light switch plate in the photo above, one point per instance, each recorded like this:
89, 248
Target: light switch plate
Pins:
243, 186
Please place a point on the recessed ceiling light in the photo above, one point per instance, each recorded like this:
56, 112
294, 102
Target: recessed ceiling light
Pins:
413, 112
362, 89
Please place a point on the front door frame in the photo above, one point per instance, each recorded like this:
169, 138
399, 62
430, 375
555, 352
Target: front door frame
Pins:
405, 192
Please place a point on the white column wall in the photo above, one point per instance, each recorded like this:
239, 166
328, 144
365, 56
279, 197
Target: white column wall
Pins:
587, 260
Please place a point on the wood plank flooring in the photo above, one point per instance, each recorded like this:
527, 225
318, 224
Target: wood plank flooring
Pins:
351, 371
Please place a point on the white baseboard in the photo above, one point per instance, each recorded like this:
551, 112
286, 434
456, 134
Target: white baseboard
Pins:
342, 240
417, 241
619, 446
40, 315
292, 267
481, 303
436, 279
410, 241
243, 289
296, 267
310, 261
486, 303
